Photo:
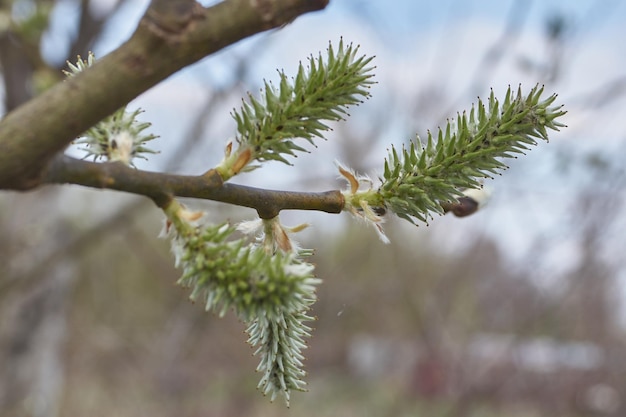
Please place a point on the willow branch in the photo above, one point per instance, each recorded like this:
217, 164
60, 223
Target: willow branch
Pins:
160, 187
171, 35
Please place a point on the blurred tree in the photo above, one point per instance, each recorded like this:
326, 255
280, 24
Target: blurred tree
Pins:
268, 284
35, 287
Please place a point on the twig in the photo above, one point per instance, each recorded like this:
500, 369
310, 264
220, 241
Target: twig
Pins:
160, 187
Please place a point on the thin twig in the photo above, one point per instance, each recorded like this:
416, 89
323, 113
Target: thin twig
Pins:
160, 187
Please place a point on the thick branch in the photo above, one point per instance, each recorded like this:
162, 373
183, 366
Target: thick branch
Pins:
168, 38
159, 187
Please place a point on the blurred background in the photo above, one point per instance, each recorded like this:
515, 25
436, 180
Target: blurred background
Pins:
518, 310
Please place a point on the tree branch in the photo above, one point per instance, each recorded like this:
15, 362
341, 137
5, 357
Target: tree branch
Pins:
161, 187
31, 135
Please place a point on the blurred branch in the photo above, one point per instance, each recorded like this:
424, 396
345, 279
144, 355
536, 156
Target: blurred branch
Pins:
70, 247
90, 27
197, 128
31, 346
603, 95
162, 44
24, 70
493, 57
161, 187
16, 71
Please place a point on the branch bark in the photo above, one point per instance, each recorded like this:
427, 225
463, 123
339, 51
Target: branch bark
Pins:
171, 35
162, 187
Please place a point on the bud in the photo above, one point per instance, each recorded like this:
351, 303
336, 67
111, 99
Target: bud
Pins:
472, 200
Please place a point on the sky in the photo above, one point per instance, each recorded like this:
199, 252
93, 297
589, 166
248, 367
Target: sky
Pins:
429, 50
433, 59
